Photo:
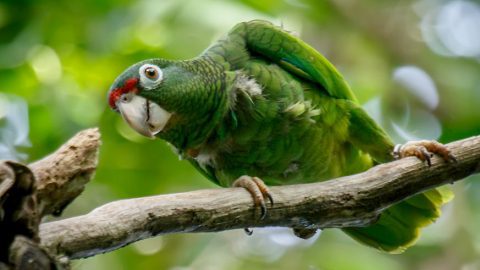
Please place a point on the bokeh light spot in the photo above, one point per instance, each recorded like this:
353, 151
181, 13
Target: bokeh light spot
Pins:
45, 63
418, 83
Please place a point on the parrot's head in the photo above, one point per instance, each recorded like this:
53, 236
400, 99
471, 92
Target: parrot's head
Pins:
136, 95
178, 101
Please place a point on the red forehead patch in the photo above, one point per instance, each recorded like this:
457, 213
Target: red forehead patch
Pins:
130, 85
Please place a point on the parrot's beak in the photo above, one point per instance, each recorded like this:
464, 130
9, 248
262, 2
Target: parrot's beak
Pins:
144, 116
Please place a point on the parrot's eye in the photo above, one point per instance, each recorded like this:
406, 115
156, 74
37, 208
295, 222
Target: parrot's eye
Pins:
150, 76
151, 73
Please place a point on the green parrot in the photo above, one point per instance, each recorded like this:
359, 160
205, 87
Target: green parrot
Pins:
261, 107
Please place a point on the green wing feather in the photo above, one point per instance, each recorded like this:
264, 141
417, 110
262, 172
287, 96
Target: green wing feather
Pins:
294, 55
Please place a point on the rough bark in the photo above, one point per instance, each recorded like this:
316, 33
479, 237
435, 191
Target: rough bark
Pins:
27, 193
62, 175
347, 201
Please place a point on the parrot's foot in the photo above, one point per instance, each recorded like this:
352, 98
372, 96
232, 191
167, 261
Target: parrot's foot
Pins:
304, 233
423, 150
259, 191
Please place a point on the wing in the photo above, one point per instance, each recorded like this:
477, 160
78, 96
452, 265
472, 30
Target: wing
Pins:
262, 39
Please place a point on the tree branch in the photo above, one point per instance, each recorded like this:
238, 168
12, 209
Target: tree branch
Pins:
27, 193
347, 201
62, 175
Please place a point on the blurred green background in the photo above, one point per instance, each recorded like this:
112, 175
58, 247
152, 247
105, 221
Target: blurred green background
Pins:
414, 64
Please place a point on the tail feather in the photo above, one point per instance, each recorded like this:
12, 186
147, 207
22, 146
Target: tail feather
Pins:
399, 226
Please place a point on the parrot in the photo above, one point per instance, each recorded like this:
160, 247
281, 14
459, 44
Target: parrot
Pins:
261, 107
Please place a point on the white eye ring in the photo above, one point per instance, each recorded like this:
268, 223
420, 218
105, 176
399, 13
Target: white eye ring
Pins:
150, 76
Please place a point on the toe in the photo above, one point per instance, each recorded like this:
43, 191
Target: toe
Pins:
263, 189
425, 155
439, 149
259, 191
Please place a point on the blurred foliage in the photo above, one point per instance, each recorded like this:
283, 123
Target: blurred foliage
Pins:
62, 56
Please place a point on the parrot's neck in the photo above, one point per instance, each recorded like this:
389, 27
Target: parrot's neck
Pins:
205, 104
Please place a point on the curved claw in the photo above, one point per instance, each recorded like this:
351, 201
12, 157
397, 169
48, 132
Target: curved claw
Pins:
270, 198
263, 209
452, 158
426, 156
263, 189
248, 231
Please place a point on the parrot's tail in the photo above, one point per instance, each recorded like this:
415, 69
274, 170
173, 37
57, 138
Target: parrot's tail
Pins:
399, 226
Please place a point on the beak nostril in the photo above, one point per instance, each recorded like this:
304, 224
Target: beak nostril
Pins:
126, 98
